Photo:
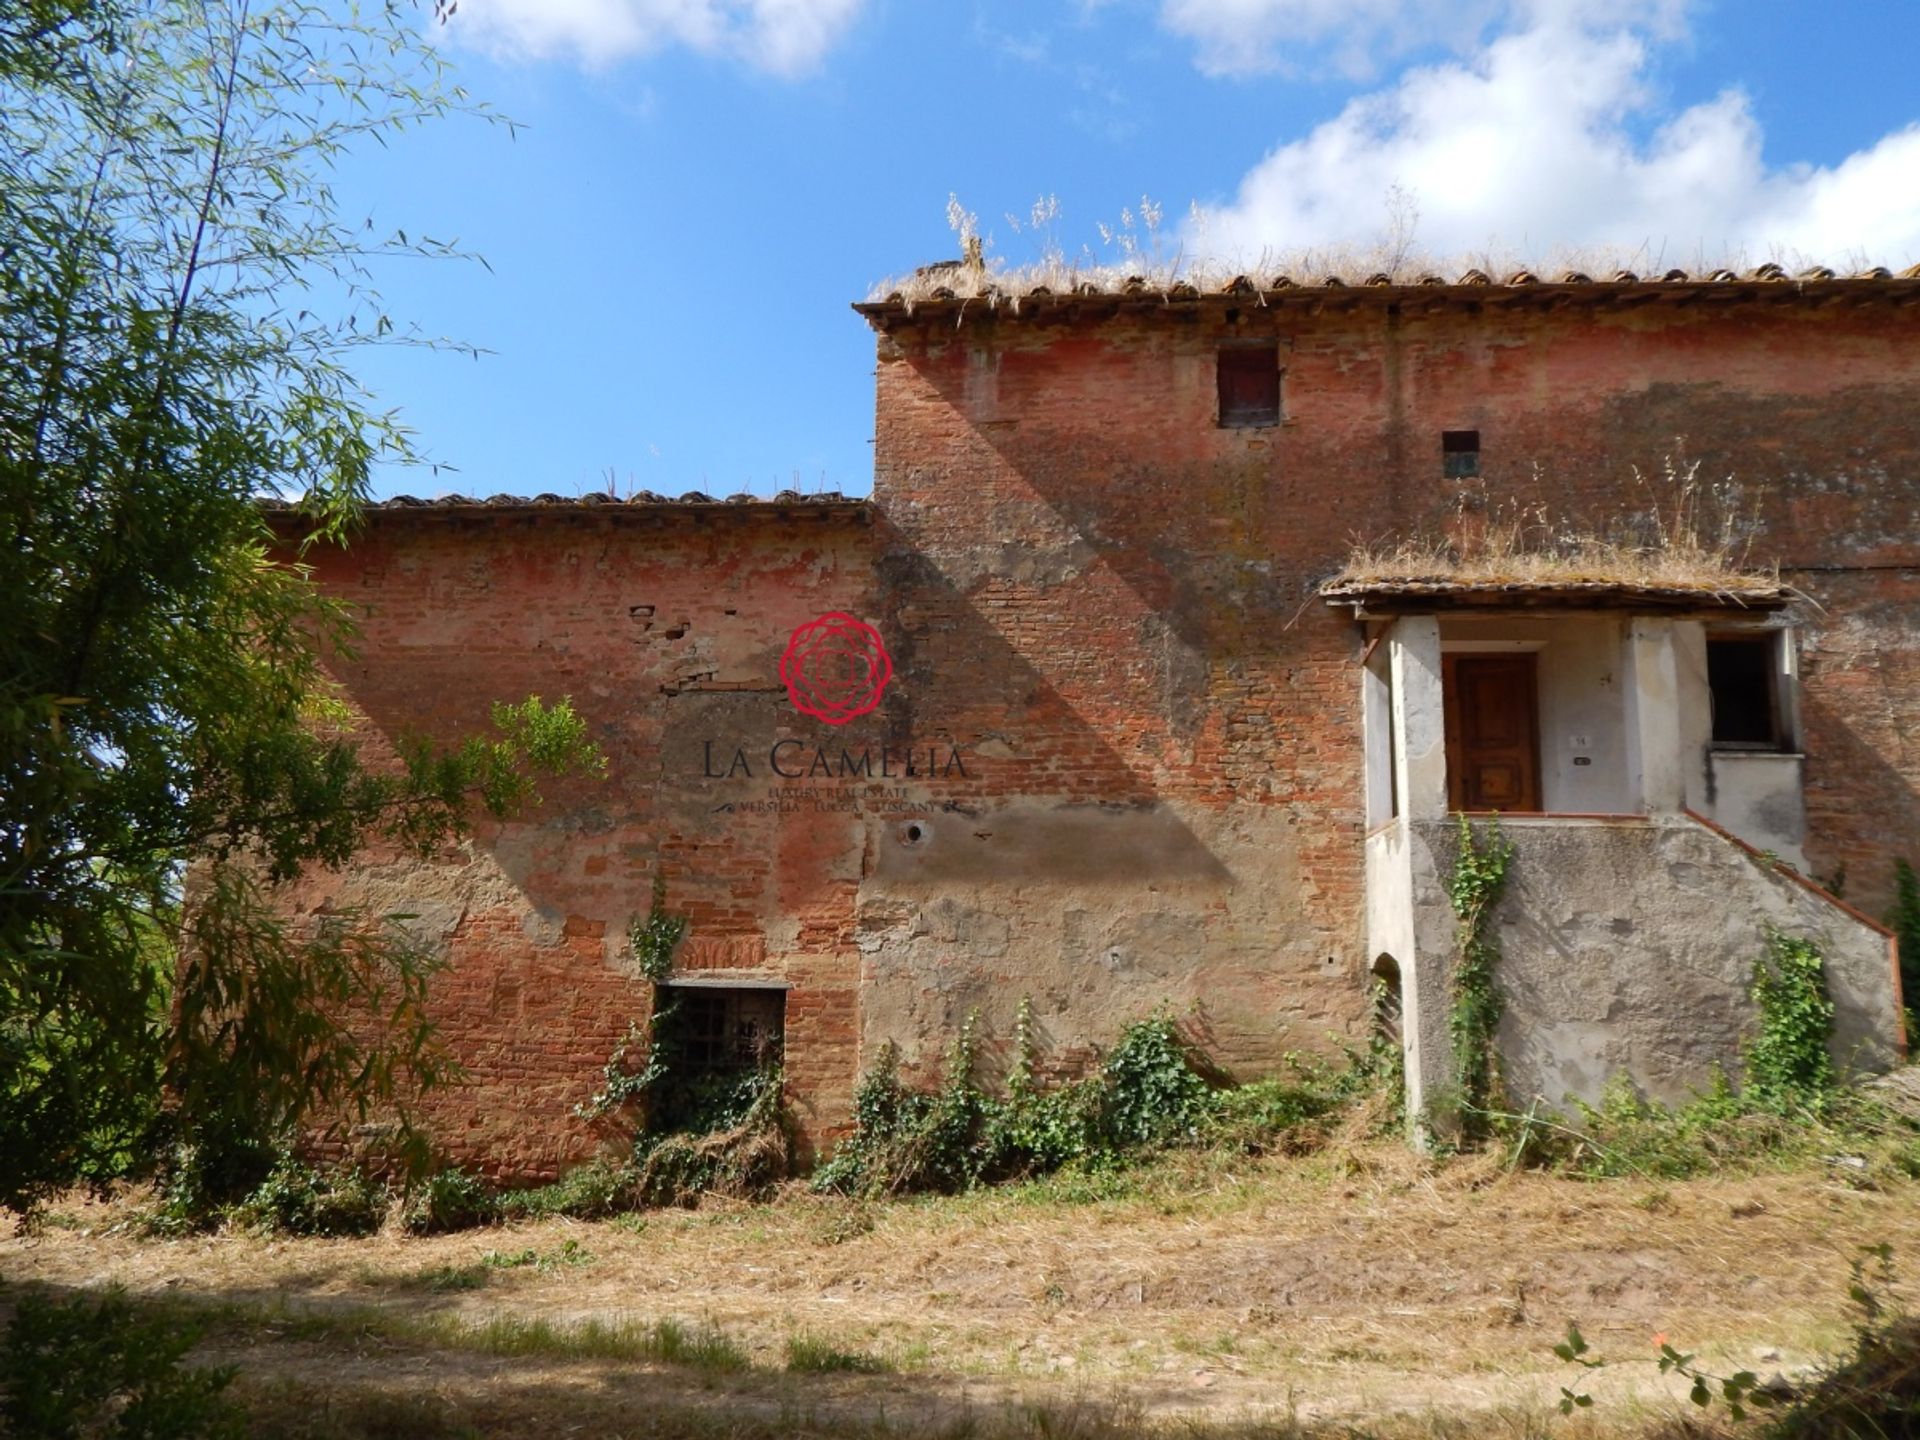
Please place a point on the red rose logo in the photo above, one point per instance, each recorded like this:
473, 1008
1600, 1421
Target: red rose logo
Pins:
836, 668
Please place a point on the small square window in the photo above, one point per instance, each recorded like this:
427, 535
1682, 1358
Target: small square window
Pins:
726, 1029
1249, 385
1743, 693
1460, 454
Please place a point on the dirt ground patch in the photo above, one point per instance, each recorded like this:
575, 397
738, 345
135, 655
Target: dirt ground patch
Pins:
1358, 1287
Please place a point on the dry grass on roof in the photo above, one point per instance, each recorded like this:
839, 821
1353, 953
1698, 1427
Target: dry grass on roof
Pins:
1690, 537
1137, 270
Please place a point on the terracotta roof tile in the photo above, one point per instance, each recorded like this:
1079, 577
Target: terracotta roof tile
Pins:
640, 501
985, 291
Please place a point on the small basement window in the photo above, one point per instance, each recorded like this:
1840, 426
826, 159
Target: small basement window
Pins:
1743, 687
1460, 454
724, 1027
719, 1042
1249, 385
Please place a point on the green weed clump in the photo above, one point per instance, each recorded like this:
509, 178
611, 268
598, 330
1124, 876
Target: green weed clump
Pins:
587, 1192
300, 1199
812, 1355
1479, 879
699, 1131
1789, 1065
1151, 1091
448, 1200
742, 1160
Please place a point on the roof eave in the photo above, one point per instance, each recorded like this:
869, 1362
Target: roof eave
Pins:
1031, 305
1387, 601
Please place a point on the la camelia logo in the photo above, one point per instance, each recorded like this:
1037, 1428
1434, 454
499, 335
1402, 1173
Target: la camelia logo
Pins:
836, 668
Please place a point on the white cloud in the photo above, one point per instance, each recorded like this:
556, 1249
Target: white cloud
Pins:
786, 37
1242, 37
1530, 144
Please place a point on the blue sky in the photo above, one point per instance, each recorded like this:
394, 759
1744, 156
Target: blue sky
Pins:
700, 187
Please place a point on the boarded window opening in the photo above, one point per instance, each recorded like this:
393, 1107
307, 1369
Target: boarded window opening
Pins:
1743, 692
1460, 453
1249, 385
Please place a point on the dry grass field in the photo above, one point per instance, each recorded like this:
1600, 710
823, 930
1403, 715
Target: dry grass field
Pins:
1360, 1290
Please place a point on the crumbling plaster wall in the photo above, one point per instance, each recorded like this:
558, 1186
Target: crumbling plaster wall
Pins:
1629, 948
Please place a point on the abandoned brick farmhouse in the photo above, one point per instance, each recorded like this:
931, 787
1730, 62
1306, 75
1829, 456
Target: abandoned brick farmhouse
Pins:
1069, 709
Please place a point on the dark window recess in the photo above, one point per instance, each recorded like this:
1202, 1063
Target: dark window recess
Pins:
727, 1029
1740, 684
1386, 1000
1460, 453
1250, 385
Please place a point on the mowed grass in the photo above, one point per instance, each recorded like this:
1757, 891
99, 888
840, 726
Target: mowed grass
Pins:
700, 1347
1361, 1290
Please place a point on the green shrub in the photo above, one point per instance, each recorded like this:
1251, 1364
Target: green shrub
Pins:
587, 1192
1038, 1131
1788, 1064
1154, 1093
448, 1200
893, 1146
1152, 1090
1474, 889
211, 1168
94, 1368
1905, 920
298, 1199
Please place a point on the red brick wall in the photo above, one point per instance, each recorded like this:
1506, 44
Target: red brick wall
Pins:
1107, 604
664, 635
1093, 442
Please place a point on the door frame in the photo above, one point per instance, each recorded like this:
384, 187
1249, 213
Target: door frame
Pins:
1527, 652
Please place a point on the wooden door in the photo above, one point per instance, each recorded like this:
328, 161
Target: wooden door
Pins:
1493, 732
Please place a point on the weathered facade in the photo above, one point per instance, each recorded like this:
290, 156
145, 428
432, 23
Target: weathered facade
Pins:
1127, 755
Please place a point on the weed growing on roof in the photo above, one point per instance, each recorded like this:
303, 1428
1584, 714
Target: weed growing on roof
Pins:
1689, 534
1136, 253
